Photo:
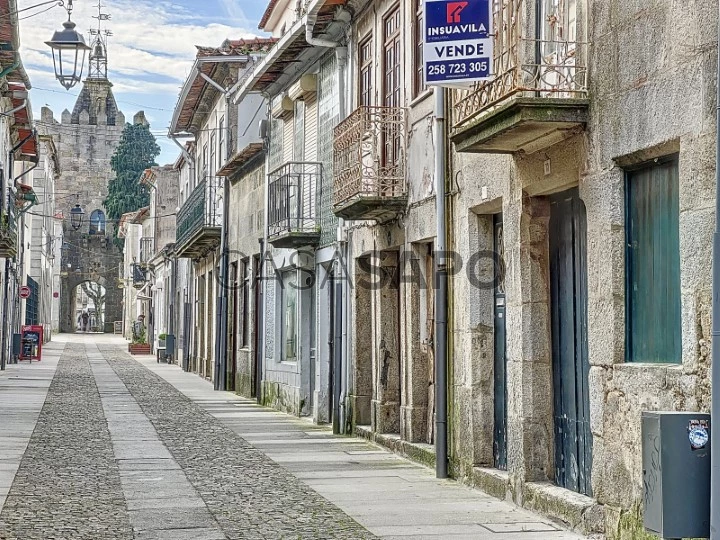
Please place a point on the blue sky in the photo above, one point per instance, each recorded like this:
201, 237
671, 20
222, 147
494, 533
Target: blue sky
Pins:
150, 54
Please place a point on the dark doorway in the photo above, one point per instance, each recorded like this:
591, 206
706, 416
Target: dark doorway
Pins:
568, 289
500, 340
232, 328
257, 329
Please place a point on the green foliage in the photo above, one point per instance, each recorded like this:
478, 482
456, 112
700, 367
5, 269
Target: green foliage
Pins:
162, 337
141, 338
135, 153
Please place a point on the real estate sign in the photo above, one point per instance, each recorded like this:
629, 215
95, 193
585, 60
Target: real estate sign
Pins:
458, 45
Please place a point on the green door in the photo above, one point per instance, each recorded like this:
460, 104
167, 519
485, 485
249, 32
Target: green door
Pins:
568, 292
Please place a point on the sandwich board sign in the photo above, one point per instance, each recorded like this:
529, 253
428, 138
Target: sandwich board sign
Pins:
458, 45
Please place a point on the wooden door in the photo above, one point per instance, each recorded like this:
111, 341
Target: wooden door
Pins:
568, 286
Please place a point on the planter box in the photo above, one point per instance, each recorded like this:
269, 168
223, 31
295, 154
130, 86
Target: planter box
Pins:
139, 348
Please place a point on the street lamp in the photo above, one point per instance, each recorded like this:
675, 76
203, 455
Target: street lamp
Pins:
70, 42
76, 217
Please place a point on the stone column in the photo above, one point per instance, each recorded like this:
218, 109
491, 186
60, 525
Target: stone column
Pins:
530, 388
386, 345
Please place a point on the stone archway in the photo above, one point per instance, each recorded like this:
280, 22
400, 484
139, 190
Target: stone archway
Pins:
89, 307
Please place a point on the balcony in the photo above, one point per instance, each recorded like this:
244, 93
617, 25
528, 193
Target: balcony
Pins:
8, 229
539, 94
369, 164
199, 221
292, 205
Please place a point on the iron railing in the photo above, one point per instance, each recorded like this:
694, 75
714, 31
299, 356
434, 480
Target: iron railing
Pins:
551, 63
203, 209
293, 198
8, 227
369, 154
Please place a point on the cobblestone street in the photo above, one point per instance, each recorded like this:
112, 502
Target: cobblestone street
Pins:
95, 444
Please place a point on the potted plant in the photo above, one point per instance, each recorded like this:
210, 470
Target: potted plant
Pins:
161, 341
139, 344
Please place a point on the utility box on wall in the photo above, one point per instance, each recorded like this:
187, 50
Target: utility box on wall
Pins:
676, 474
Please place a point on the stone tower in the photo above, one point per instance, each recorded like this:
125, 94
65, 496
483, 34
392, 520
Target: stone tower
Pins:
86, 139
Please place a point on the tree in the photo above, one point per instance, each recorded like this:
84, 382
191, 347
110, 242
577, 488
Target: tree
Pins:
135, 153
96, 293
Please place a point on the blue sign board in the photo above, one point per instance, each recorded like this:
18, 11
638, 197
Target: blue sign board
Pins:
458, 46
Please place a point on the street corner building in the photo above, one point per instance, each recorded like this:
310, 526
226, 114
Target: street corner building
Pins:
29, 168
579, 210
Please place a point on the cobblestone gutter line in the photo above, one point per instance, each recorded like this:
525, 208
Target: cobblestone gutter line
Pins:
68, 486
251, 496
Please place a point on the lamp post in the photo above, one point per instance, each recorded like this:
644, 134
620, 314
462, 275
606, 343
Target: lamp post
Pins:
76, 217
69, 42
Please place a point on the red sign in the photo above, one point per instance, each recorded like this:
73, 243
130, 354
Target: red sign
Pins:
31, 343
56, 295
25, 292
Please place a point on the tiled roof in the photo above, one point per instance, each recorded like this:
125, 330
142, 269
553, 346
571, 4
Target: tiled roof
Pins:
9, 36
23, 126
195, 87
292, 52
266, 15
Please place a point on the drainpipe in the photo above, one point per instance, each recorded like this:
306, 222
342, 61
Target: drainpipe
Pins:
16, 109
340, 361
341, 54
311, 40
715, 433
12, 67
441, 278
184, 152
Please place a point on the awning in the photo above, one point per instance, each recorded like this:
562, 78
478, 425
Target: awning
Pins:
240, 158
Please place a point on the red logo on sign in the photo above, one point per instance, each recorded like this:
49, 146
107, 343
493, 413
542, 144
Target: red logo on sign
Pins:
453, 11
25, 292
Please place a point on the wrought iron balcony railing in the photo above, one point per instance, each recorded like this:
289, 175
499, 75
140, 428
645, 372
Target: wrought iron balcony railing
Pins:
535, 55
369, 163
8, 227
293, 204
200, 218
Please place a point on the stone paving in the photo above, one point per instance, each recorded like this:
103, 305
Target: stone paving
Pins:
251, 496
126, 448
68, 485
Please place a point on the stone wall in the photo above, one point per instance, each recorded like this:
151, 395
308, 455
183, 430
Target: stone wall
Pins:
247, 199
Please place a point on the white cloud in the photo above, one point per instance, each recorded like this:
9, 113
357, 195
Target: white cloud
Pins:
150, 54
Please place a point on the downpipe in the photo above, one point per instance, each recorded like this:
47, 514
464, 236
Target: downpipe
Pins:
441, 278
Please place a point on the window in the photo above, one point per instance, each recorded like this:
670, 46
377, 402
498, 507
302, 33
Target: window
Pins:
221, 143
299, 131
391, 84
204, 164
289, 316
419, 79
652, 260
97, 222
213, 154
391, 58
244, 283
366, 74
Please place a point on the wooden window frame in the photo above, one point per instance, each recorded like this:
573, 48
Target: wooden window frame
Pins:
419, 85
392, 48
365, 71
631, 252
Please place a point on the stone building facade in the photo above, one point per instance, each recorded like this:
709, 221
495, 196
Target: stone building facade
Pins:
579, 210
86, 139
